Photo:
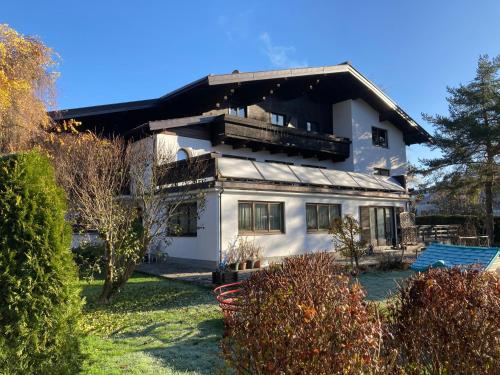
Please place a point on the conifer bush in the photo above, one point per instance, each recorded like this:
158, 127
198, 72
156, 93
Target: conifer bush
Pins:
303, 317
39, 300
445, 321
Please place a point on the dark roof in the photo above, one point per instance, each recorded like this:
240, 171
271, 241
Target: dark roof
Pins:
340, 82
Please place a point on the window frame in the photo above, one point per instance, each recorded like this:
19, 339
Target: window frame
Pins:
271, 114
317, 205
375, 140
176, 221
311, 125
237, 109
269, 231
385, 172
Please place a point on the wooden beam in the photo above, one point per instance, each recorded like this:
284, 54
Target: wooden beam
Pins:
239, 144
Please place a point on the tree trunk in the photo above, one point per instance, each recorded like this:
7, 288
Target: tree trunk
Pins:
110, 287
105, 296
489, 221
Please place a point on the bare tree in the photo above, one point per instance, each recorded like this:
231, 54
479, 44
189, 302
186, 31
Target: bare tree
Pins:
130, 196
345, 234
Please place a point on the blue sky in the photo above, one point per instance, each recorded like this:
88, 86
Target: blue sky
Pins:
114, 51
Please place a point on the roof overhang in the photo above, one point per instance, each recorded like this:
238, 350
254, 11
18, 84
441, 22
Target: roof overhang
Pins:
343, 76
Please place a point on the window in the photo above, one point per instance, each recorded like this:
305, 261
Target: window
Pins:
238, 111
312, 126
182, 154
320, 216
260, 217
379, 137
381, 172
277, 119
184, 222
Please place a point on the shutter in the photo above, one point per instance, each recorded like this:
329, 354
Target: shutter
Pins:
364, 218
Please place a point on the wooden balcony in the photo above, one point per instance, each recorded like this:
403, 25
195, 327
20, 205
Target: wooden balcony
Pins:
257, 135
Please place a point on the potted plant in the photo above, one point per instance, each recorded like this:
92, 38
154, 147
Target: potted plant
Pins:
224, 275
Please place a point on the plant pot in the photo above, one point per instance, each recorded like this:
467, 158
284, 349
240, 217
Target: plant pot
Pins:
234, 266
242, 266
256, 264
224, 277
250, 264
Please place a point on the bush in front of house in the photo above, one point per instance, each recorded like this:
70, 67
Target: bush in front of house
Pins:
89, 258
445, 321
303, 317
39, 301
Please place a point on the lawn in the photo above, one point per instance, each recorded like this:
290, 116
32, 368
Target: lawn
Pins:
159, 326
154, 326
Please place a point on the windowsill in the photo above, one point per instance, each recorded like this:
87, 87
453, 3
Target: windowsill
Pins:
184, 236
319, 231
386, 147
260, 233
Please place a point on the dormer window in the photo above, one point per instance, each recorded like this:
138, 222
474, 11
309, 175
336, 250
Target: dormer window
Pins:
238, 111
312, 126
379, 137
277, 119
381, 172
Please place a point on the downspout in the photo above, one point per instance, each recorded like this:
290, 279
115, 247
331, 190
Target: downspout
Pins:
220, 225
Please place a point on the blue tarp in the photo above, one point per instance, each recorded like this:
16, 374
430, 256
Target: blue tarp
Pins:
450, 256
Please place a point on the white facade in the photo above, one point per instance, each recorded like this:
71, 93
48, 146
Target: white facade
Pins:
294, 240
352, 119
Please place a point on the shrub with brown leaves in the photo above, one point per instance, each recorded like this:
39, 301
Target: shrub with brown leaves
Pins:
446, 321
303, 317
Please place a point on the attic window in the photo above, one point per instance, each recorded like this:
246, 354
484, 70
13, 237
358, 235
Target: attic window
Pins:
182, 154
238, 111
312, 126
379, 137
381, 172
277, 119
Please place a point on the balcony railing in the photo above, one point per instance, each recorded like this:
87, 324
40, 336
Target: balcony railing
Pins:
257, 135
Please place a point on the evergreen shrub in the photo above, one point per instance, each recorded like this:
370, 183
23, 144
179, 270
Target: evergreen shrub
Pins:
40, 304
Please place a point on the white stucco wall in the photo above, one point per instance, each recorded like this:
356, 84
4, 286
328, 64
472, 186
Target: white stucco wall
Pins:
205, 245
296, 239
354, 119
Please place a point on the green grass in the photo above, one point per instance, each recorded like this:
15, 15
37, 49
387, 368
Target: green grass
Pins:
158, 326
154, 326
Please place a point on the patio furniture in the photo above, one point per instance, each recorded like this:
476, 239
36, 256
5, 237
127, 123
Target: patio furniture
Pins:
227, 296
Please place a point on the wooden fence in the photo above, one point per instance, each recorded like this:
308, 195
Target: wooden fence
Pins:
439, 233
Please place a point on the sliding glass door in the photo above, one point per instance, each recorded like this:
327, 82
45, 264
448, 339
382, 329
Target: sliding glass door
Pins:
378, 225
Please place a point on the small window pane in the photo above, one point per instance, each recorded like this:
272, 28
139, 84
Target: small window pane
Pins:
261, 216
193, 219
181, 155
238, 111
245, 216
277, 119
311, 217
275, 219
323, 220
379, 137
334, 212
312, 126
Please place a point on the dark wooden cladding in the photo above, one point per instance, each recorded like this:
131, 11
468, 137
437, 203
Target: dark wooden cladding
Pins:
244, 132
190, 170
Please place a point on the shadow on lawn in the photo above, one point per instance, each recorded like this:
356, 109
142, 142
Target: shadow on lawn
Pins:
146, 293
194, 350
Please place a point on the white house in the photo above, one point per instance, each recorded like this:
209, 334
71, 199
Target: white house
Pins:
289, 149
